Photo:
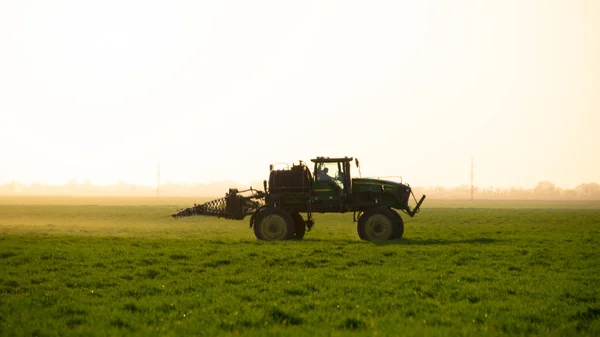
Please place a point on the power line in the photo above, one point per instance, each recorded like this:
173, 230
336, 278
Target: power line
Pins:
471, 178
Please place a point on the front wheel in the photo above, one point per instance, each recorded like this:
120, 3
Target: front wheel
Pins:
274, 224
398, 225
377, 224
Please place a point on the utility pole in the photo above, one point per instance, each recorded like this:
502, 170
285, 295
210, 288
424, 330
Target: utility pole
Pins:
471, 178
158, 178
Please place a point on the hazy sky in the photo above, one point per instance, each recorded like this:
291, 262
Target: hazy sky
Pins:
100, 90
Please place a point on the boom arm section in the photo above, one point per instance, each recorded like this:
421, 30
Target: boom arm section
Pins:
232, 206
417, 207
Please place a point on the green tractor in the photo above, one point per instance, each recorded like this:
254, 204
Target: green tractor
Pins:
329, 188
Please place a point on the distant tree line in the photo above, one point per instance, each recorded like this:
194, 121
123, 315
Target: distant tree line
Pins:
544, 190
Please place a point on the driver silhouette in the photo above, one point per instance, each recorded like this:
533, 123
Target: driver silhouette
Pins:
324, 176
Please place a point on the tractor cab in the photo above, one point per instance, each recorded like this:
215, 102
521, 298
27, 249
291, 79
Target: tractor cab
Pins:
332, 182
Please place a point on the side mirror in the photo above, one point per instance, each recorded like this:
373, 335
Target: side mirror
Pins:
358, 166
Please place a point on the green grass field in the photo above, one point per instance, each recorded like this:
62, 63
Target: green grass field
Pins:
109, 267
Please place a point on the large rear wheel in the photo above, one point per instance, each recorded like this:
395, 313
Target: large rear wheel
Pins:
299, 226
376, 224
274, 224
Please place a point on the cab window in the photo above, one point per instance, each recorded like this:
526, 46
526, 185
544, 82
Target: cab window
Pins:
330, 172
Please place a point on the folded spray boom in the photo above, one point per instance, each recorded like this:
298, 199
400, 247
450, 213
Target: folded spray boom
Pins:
233, 206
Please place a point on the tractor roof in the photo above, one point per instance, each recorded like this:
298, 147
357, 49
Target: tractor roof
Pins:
331, 160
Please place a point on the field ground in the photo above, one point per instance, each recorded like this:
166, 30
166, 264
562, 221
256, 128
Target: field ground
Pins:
118, 266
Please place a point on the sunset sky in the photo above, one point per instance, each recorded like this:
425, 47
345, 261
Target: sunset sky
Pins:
218, 90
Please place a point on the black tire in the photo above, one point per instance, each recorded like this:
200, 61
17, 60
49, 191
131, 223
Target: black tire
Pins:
300, 226
274, 224
398, 225
377, 224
